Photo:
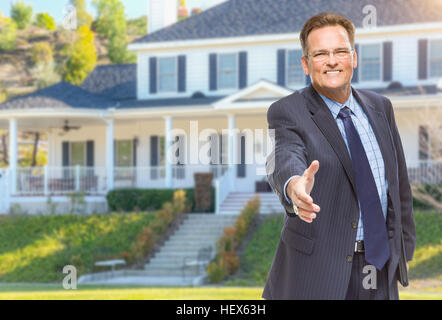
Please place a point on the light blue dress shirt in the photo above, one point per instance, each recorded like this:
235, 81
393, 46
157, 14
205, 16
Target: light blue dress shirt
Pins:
371, 147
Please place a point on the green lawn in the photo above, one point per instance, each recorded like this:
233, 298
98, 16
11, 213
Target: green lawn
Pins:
36, 248
258, 256
51, 292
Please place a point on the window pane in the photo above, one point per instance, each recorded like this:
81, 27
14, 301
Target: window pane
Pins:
167, 65
436, 58
371, 62
295, 73
227, 76
124, 153
167, 83
78, 153
227, 61
167, 74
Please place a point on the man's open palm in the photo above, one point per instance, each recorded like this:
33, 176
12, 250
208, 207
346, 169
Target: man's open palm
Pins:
299, 188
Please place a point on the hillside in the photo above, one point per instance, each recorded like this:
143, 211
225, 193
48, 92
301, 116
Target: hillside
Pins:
16, 76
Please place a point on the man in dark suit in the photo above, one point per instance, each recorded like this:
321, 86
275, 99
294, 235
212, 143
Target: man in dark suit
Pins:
339, 170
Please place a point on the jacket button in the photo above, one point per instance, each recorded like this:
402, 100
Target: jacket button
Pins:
354, 225
349, 259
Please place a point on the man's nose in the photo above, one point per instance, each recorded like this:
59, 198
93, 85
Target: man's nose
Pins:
332, 61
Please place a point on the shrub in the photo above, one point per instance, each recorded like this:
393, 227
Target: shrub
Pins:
215, 272
227, 259
8, 33
44, 20
145, 241
21, 14
163, 218
230, 262
148, 199
41, 53
83, 57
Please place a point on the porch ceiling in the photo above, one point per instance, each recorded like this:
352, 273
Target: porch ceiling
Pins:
45, 124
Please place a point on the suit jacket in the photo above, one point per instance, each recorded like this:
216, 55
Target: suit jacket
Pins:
313, 260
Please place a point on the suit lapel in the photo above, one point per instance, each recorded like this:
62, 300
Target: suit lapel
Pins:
381, 130
323, 118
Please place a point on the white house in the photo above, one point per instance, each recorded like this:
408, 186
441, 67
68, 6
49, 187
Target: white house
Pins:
198, 80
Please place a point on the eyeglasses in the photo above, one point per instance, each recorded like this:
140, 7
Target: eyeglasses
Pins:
340, 54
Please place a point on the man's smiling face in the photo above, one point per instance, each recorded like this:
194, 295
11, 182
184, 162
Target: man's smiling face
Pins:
333, 74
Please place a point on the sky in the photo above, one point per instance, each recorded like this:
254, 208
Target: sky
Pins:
133, 8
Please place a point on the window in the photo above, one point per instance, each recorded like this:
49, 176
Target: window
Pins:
228, 71
124, 153
295, 73
78, 153
167, 74
436, 58
370, 60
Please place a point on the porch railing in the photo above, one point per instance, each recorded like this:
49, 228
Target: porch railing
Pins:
425, 172
223, 185
60, 180
93, 180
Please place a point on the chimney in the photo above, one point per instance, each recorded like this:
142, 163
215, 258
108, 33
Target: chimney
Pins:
162, 13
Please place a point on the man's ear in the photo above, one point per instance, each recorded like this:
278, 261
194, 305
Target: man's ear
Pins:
355, 59
304, 62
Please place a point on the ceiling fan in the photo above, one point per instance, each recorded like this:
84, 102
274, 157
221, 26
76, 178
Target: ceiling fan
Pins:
66, 127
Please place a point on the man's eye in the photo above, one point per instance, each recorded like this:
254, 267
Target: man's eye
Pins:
320, 54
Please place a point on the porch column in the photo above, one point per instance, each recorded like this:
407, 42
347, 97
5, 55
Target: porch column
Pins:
13, 154
167, 152
110, 154
232, 148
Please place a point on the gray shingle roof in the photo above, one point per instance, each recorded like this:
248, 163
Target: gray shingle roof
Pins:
62, 95
237, 18
168, 102
118, 82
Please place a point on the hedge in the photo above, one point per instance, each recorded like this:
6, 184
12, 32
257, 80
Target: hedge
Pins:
148, 199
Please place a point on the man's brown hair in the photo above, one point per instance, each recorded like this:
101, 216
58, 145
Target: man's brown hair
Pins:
325, 19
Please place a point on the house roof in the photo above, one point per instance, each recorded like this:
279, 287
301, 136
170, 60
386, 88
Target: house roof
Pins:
61, 95
238, 18
168, 102
117, 82
396, 89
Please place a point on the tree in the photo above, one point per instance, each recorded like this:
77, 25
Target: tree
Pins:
8, 33
111, 24
41, 52
83, 17
44, 20
21, 14
83, 57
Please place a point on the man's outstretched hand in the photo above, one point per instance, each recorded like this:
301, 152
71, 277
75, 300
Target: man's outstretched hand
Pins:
298, 190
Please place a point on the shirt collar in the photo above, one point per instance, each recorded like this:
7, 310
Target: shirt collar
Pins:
335, 106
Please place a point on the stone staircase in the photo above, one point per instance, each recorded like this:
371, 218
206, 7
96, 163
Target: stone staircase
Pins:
236, 201
166, 267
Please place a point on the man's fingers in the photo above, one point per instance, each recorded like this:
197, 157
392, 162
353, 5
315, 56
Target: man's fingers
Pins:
306, 214
307, 206
311, 171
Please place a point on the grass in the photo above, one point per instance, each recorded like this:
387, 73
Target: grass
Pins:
35, 249
55, 292
31, 245
258, 255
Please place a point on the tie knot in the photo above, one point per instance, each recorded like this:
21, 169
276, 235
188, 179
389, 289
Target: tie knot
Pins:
345, 112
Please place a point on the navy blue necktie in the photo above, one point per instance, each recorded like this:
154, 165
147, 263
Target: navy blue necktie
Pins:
377, 249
